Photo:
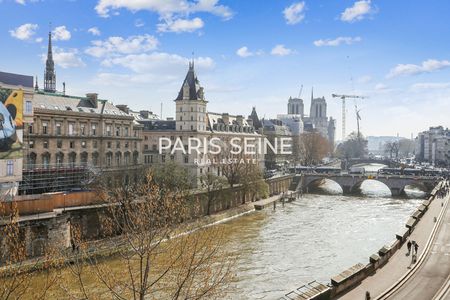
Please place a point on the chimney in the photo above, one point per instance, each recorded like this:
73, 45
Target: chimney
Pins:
124, 108
226, 118
240, 120
144, 114
93, 99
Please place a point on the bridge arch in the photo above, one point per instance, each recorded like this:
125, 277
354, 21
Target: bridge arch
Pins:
357, 187
317, 182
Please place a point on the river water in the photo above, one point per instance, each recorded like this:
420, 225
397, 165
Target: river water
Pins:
312, 238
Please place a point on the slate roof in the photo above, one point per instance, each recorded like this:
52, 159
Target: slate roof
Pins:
60, 102
191, 83
16, 79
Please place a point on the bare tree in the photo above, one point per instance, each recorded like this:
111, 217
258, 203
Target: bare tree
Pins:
392, 149
154, 257
313, 148
212, 184
15, 266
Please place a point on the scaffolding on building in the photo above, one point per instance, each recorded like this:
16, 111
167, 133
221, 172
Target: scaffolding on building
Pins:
38, 179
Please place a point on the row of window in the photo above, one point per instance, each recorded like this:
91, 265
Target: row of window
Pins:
83, 129
72, 144
200, 109
200, 118
72, 159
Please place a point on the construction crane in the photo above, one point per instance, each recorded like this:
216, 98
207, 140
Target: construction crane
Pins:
343, 97
300, 93
358, 118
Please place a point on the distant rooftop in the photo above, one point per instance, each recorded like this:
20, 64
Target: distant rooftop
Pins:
16, 79
56, 101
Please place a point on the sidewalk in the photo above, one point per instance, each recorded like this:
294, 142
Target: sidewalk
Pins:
398, 264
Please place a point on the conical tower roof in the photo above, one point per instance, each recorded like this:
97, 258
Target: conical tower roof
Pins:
191, 89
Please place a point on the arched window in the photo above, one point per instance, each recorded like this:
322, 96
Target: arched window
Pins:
118, 158
84, 158
59, 159
135, 157
32, 160
127, 158
109, 157
46, 160
95, 158
72, 159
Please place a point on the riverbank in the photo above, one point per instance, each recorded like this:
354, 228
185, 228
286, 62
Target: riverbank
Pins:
359, 277
110, 246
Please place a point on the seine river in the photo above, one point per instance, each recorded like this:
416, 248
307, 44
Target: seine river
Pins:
313, 238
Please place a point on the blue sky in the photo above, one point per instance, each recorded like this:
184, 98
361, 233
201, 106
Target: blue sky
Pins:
248, 53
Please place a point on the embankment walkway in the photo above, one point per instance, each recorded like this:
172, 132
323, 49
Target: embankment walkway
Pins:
426, 282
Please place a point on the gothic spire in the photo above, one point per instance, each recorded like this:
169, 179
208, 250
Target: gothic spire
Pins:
49, 74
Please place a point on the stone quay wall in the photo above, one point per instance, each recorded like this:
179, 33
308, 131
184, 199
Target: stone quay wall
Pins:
47, 220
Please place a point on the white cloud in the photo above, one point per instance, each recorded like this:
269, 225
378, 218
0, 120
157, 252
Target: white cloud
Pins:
244, 52
23, 2
156, 62
427, 66
94, 31
180, 25
24, 32
165, 8
337, 41
116, 45
294, 13
281, 50
38, 40
61, 33
358, 11
65, 58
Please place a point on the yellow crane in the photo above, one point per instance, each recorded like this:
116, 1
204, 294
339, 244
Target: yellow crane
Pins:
343, 97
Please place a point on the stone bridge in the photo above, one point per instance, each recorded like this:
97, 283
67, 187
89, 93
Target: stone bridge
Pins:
351, 183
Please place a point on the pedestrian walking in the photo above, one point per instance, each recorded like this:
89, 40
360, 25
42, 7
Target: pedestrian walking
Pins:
367, 295
409, 245
416, 247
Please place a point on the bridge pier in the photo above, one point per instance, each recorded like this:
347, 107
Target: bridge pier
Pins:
347, 189
396, 192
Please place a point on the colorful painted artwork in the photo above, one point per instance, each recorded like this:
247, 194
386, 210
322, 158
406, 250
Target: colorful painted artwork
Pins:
11, 123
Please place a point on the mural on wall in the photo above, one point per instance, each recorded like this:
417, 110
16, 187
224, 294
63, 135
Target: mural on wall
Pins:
11, 123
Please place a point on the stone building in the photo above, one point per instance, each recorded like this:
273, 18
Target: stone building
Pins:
71, 136
433, 146
69, 133
193, 120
